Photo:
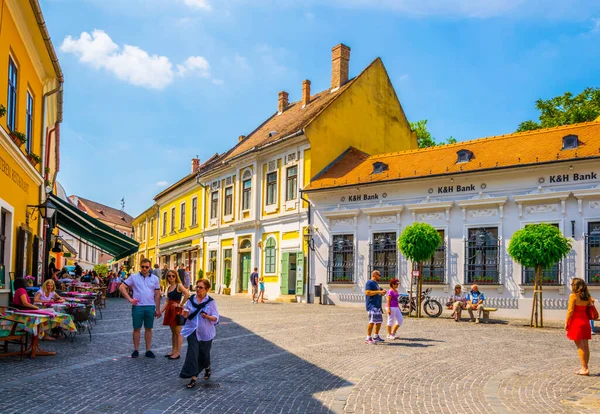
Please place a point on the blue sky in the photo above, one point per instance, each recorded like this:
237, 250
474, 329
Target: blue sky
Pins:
149, 84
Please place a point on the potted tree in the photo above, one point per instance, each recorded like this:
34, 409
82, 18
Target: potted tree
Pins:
227, 281
18, 138
418, 243
34, 159
538, 246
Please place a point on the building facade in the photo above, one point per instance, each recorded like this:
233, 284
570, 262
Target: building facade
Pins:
30, 113
476, 194
145, 232
246, 201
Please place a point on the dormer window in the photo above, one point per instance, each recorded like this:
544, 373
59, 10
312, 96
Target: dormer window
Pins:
464, 156
379, 167
570, 142
272, 133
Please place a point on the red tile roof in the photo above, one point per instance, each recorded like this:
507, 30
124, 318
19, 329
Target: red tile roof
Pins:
102, 212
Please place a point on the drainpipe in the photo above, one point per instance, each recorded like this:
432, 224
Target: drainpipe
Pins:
308, 216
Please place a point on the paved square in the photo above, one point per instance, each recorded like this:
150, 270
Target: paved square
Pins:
284, 358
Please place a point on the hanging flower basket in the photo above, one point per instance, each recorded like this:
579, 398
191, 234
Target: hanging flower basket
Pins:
18, 138
34, 159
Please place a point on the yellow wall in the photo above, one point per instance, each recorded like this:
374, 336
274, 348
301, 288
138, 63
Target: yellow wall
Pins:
290, 235
367, 116
181, 234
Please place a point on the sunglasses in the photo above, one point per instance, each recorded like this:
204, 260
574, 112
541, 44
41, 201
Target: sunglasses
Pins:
173, 276
145, 267
199, 287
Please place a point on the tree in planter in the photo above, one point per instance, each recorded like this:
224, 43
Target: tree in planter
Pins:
538, 246
418, 243
200, 274
227, 280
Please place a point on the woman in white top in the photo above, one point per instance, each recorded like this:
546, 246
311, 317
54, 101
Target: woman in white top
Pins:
458, 302
202, 316
47, 293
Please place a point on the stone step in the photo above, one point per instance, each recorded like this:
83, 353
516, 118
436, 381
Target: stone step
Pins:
286, 299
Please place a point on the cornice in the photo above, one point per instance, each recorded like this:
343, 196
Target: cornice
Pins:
18, 156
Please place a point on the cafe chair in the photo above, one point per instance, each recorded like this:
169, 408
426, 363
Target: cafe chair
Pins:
12, 336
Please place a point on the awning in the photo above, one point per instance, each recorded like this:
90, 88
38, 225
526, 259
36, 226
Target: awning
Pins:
66, 247
75, 221
176, 248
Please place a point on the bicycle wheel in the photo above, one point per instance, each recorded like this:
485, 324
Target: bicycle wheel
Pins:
432, 308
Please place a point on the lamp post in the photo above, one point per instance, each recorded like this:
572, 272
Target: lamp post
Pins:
308, 238
46, 210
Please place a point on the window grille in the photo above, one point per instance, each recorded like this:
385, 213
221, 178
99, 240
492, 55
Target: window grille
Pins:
383, 255
341, 259
592, 254
482, 256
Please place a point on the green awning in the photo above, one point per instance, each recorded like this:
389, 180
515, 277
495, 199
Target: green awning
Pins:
75, 221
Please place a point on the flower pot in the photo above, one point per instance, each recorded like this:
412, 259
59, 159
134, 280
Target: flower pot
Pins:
32, 160
227, 291
29, 282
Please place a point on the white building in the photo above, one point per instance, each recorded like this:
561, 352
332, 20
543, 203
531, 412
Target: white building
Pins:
477, 194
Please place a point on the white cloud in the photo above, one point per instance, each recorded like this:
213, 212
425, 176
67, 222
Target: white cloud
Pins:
403, 77
198, 4
596, 25
162, 183
131, 63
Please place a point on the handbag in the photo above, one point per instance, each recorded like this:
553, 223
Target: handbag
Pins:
592, 312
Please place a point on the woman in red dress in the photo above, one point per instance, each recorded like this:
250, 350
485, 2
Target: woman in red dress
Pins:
176, 295
577, 323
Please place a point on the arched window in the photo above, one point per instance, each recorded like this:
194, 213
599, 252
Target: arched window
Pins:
270, 255
245, 244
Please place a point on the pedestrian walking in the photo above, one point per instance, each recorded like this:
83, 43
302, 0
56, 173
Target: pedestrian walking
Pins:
393, 310
261, 290
185, 279
577, 322
172, 310
373, 294
254, 285
200, 328
163, 280
146, 305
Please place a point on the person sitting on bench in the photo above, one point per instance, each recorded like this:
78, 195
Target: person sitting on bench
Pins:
475, 300
457, 302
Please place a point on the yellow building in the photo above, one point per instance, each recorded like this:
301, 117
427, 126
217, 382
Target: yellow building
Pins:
31, 108
248, 211
145, 230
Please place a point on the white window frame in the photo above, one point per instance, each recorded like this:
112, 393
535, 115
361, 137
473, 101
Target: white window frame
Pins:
272, 208
274, 273
292, 203
173, 215
164, 224
228, 217
8, 245
182, 220
194, 217
213, 221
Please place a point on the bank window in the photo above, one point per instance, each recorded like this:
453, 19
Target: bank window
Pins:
214, 204
11, 111
592, 253
246, 194
482, 253
270, 255
29, 121
164, 224
228, 201
182, 217
550, 275
341, 262
383, 255
271, 188
172, 219
291, 183
434, 270
194, 211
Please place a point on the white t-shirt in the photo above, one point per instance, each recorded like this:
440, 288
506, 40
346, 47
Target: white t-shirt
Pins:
143, 288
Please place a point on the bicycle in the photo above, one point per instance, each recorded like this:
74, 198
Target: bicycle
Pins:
432, 307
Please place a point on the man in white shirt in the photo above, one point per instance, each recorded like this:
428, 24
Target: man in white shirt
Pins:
146, 305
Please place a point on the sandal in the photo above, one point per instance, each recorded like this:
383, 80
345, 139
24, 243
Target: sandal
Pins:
192, 384
585, 374
207, 373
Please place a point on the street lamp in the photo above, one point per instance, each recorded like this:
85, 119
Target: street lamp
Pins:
308, 238
47, 210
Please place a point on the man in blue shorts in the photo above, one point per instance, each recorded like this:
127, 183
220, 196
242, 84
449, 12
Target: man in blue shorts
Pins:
373, 300
146, 305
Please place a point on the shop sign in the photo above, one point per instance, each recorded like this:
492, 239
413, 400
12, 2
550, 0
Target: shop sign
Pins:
363, 197
416, 273
446, 189
565, 178
13, 175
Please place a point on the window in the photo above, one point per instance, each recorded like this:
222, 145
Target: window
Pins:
341, 264
434, 270
246, 194
3, 253
152, 228
570, 142
194, 211
11, 111
212, 262
172, 219
482, 256
29, 121
383, 255
270, 255
592, 253
182, 217
464, 156
550, 275
379, 167
164, 224
292, 183
271, 188
214, 204
228, 201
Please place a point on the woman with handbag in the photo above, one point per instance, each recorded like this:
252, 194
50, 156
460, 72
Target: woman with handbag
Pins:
199, 329
577, 323
172, 310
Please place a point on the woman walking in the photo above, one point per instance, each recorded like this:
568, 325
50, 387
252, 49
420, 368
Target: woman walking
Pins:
577, 322
202, 317
171, 310
393, 310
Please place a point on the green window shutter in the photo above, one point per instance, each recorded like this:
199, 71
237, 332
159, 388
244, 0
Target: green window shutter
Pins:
285, 268
300, 273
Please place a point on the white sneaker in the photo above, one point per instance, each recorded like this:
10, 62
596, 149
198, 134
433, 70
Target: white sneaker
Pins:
391, 337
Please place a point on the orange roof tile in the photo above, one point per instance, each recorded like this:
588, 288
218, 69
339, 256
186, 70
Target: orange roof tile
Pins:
513, 150
103, 212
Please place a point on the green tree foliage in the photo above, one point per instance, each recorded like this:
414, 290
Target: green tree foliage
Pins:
538, 245
200, 274
565, 109
419, 241
101, 269
424, 137
227, 280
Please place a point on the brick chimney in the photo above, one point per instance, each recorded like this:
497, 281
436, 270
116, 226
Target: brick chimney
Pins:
241, 138
305, 92
340, 60
282, 102
195, 164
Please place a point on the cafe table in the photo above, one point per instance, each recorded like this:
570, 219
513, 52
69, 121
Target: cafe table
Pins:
35, 323
83, 302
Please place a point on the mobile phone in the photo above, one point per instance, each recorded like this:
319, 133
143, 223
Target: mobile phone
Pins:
202, 313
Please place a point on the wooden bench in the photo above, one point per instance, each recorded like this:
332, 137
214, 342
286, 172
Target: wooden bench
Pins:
486, 312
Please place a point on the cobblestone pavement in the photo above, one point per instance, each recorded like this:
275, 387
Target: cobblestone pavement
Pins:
280, 358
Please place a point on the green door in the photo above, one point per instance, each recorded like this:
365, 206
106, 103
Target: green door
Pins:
245, 271
285, 270
300, 273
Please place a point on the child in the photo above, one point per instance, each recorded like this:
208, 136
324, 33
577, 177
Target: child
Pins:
393, 310
261, 290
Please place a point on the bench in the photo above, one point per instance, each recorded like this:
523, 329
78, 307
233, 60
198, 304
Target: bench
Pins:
486, 312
